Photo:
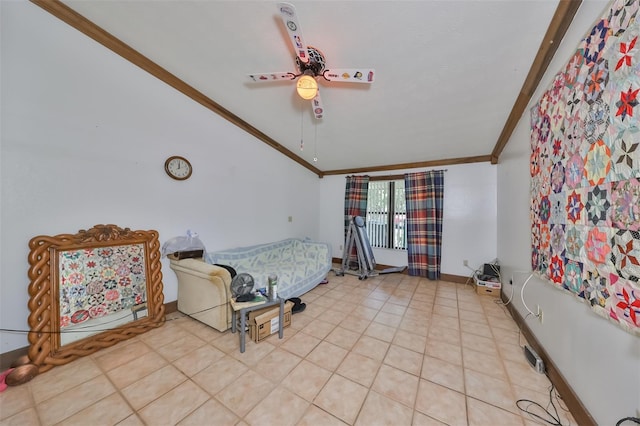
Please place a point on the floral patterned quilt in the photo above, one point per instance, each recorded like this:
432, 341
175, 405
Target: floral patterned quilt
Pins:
98, 282
585, 171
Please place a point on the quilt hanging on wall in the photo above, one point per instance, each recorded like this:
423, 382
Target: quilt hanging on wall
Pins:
585, 171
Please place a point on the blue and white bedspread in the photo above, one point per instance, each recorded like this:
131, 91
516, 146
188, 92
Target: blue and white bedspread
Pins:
299, 264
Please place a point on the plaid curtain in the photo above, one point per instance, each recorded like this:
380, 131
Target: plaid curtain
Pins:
355, 204
424, 193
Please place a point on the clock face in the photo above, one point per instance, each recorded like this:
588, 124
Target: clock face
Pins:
178, 167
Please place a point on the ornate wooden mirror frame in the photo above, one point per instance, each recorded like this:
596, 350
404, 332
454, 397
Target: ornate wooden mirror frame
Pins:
91, 290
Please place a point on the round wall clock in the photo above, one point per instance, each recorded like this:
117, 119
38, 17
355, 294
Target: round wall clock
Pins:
178, 167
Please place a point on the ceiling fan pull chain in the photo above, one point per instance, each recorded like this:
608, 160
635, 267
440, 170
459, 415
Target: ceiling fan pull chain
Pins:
301, 132
315, 145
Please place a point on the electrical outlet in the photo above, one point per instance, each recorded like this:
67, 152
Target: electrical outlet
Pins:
540, 315
465, 262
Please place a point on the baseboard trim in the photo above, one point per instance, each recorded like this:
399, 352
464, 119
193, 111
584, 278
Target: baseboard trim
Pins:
7, 358
571, 400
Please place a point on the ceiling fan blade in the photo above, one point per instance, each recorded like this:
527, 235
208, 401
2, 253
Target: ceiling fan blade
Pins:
318, 108
350, 75
271, 76
290, 20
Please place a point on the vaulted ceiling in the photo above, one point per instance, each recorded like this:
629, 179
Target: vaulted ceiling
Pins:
451, 77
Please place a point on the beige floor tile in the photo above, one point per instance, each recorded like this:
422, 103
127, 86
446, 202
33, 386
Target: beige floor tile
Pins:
372, 303
200, 330
483, 363
254, 352
108, 411
473, 316
443, 373
525, 376
211, 412
358, 325
154, 385
333, 316
439, 320
245, 392
388, 319
396, 384
307, 380
15, 399
444, 351
380, 410
229, 342
161, 336
196, 361
482, 414
420, 419
479, 343
66, 404
327, 355
181, 346
175, 405
441, 403
490, 390
359, 368
220, 374
466, 307
274, 411
318, 417
511, 352
319, 329
444, 334
475, 327
123, 375
418, 314
301, 320
404, 359
364, 312
314, 310
342, 398
372, 348
63, 378
393, 309
121, 353
447, 301
416, 326
301, 344
380, 332
132, 420
22, 418
410, 341
342, 337
277, 364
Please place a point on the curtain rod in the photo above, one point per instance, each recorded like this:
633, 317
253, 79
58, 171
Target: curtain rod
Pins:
392, 177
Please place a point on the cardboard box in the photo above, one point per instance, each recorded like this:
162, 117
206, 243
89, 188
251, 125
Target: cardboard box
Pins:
264, 322
488, 288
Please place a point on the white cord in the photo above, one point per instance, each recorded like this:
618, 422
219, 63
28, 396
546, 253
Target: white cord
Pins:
522, 295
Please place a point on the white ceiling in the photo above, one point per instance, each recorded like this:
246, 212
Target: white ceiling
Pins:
447, 72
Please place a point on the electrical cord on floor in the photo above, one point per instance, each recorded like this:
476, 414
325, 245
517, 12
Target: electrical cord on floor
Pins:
628, 419
551, 418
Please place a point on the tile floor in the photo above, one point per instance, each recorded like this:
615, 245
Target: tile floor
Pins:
389, 350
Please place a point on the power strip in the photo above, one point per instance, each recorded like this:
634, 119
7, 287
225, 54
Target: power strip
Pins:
534, 359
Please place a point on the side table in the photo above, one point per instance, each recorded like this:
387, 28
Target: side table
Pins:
243, 308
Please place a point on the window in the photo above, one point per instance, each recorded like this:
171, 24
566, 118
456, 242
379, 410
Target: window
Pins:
386, 215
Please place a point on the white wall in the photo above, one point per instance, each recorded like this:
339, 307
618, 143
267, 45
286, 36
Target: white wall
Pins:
83, 141
600, 361
469, 217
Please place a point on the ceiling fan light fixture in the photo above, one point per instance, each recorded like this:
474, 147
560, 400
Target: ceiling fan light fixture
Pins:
307, 87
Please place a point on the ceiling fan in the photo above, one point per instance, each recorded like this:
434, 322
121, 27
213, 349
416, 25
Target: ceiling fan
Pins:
311, 65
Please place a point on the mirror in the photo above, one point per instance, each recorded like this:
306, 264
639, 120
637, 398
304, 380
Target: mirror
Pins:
91, 290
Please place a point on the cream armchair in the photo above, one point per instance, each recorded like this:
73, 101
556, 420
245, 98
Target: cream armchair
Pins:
203, 292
